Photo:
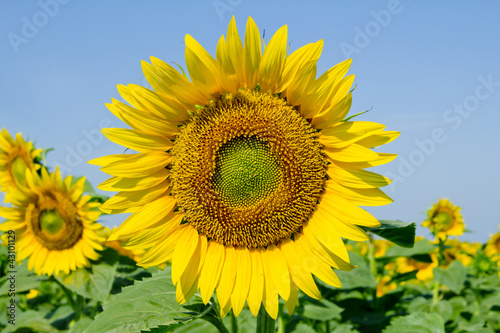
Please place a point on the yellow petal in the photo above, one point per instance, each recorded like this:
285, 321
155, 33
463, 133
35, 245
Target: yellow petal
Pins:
187, 285
277, 270
137, 140
382, 158
229, 80
299, 270
184, 251
228, 276
142, 120
293, 299
211, 271
379, 139
256, 291
134, 184
137, 165
333, 114
331, 250
167, 80
270, 295
146, 217
356, 178
350, 153
360, 197
323, 271
202, 68
298, 60
252, 54
331, 224
243, 278
347, 211
347, 133
164, 248
234, 49
125, 199
145, 99
272, 62
101, 161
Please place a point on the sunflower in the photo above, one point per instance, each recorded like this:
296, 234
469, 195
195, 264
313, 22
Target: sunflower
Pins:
425, 269
492, 248
15, 157
246, 177
444, 219
461, 251
54, 224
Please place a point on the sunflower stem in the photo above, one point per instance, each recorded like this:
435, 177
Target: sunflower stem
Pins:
234, 323
373, 265
80, 307
67, 292
265, 324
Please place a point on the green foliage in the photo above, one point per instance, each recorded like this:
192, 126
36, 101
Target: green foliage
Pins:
400, 233
453, 277
417, 322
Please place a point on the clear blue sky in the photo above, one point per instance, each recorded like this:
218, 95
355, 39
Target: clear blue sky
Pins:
430, 70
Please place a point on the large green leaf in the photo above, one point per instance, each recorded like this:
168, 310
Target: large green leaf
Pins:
398, 232
24, 280
32, 320
417, 322
359, 277
453, 277
326, 310
421, 247
94, 283
146, 304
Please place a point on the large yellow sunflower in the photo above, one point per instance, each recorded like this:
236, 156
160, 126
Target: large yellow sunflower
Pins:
444, 219
246, 177
16, 155
54, 224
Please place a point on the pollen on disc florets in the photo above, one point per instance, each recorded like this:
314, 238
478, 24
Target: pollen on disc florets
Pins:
54, 221
247, 170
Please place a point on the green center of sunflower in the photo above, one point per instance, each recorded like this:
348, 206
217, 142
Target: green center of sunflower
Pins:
443, 221
54, 221
51, 222
246, 171
18, 169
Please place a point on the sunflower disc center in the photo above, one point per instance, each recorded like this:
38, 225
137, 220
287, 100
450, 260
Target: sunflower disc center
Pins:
443, 221
51, 222
246, 171
54, 221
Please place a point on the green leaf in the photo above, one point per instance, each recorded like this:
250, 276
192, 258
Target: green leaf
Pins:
80, 325
146, 304
303, 328
359, 277
94, 283
421, 247
32, 320
417, 322
24, 280
398, 232
326, 311
453, 277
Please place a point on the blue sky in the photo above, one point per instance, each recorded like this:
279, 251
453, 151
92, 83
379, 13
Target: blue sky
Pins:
429, 70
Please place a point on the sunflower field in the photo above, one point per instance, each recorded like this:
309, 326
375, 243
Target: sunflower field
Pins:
244, 182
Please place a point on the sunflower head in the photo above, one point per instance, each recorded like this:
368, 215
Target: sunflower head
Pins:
492, 247
54, 224
245, 176
16, 156
444, 219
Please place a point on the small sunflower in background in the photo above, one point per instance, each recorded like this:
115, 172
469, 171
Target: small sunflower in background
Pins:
16, 155
54, 224
425, 269
444, 219
492, 248
247, 177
